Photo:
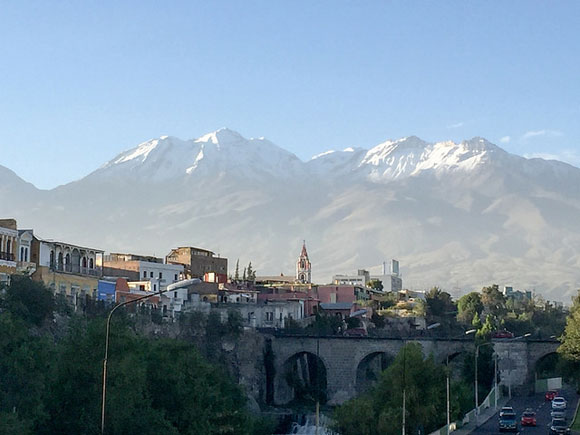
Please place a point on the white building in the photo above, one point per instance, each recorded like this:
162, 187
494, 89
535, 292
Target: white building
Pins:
139, 268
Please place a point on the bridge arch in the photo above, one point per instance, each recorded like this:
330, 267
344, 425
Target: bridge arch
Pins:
547, 366
369, 369
303, 378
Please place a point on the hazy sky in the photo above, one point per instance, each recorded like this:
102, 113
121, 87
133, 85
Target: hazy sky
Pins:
82, 81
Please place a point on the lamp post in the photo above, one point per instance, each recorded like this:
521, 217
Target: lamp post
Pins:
494, 376
471, 331
176, 285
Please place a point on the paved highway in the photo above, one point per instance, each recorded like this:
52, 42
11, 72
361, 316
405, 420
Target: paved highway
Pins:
540, 405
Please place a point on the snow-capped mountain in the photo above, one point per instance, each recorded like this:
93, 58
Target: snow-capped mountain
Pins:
457, 215
221, 152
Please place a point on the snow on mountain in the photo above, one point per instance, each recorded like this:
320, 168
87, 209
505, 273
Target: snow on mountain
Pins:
458, 215
336, 163
221, 152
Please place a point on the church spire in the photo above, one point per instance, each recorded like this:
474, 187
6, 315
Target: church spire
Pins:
303, 266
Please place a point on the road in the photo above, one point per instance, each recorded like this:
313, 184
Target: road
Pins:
542, 408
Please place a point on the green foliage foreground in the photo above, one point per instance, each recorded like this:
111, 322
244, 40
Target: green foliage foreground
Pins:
380, 411
53, 386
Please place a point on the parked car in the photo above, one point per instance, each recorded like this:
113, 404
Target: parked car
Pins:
528, 418
502, 334
551, 394
508, 422
559, 403
559, 426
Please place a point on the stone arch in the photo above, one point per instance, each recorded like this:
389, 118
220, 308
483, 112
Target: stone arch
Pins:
369, 369
302, 377
76, 257
546, 366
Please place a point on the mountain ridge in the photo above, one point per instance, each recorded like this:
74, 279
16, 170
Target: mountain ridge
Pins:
462, 214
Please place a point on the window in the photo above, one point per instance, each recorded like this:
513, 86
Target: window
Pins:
150, 274
160, 275
154, 287
175, 277
144, 274
174, 294
269, 316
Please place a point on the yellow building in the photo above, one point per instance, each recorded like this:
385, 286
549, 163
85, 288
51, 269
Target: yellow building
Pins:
8, 249
69, 270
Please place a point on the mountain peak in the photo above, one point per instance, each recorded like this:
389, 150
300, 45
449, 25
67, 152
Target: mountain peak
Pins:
220, 136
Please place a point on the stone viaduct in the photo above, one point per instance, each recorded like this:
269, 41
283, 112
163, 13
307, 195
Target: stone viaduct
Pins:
346, 362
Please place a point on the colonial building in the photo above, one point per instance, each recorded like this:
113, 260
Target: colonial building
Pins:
303, 267
8, 249
26, 264
70, 270
197, 262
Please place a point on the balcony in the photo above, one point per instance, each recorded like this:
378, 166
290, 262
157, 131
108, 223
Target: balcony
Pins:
7, 256
75, 269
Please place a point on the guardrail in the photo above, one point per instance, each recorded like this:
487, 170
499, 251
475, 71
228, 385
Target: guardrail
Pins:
470, 416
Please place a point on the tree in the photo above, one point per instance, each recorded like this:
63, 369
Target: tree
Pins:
380, 410
570, 347
488, 327
237, 272
468, 306
25, 362
251, 273
244, 275
493, 301
29, 300
376, 284
439, 303
476, 322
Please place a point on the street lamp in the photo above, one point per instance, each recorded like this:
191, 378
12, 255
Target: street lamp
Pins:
471, 331
170, 287
494, 376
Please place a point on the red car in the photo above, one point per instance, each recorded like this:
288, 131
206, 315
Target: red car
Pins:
503, 334
551, 394
528, 418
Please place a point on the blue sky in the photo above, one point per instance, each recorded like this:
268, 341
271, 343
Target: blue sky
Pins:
82, 81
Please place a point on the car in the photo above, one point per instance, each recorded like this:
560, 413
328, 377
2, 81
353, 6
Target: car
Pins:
551, 394
559, 426
503, 334
506, 410
558, 413
559, 403
508, 422
528, 418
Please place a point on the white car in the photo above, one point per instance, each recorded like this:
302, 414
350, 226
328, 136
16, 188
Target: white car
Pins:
559, 403
506, 410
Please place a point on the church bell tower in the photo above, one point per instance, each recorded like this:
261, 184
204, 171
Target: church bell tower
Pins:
303, 267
